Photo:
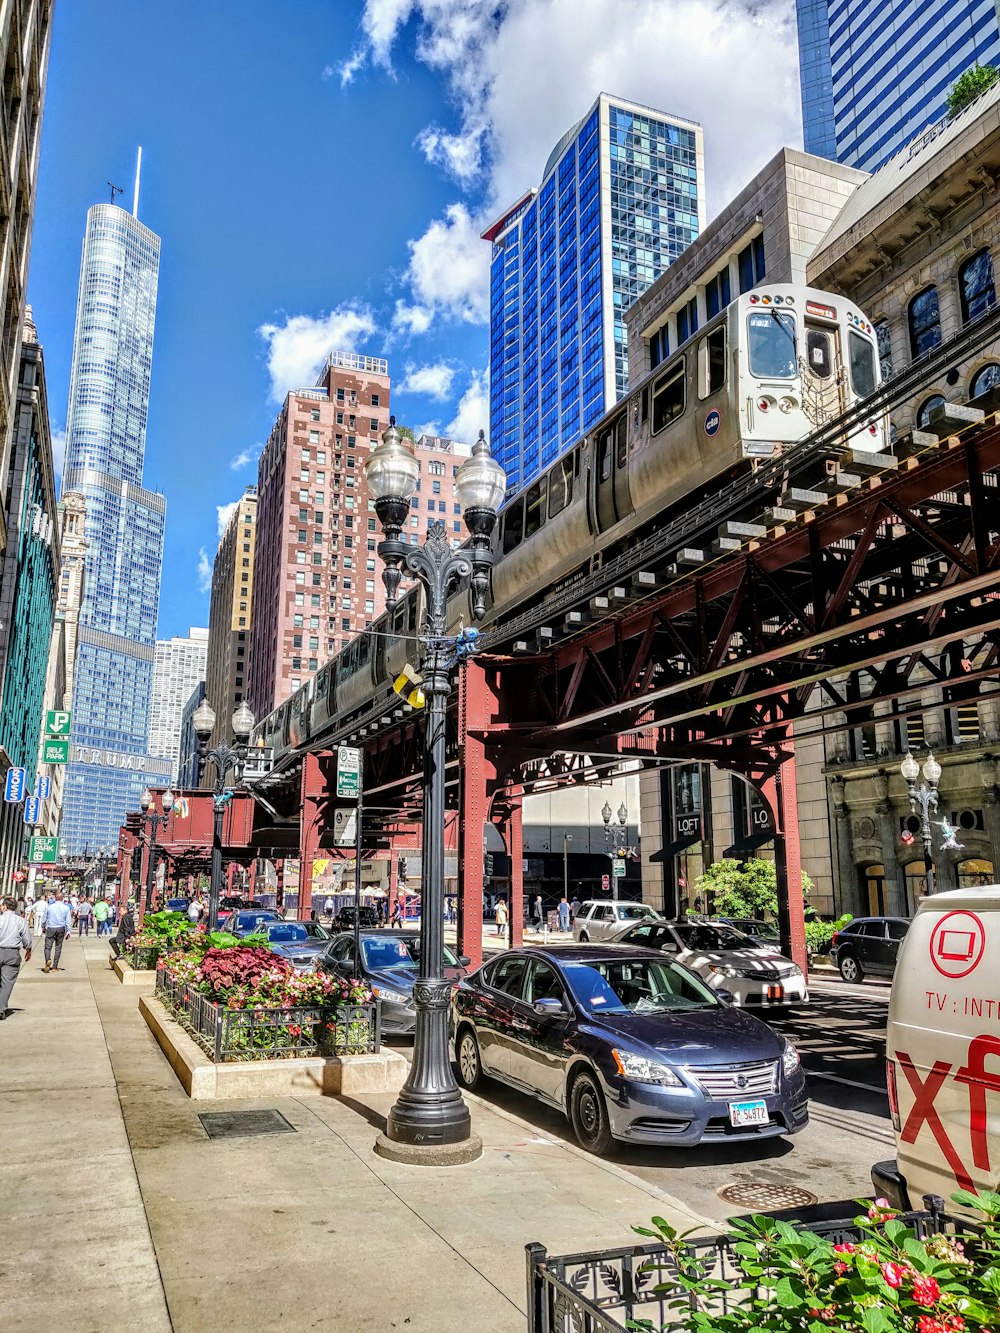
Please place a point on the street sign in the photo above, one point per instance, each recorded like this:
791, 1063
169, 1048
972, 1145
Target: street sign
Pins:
345, 825
605, 881
618, 869
15, 785
44, 851
348, 773
55, 752
32, 810
18, 876
57, 722
43, 788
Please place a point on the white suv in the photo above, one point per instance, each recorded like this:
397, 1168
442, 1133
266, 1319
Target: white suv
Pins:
606, 920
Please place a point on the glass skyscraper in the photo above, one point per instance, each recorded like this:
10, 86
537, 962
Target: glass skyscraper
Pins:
622, 194
874, 73
105, 444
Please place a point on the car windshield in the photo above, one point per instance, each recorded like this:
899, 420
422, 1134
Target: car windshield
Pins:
286, 933
772, 345
244, 919
765, 929
636, 986
316, 931
635, 912
405, 953
713, 938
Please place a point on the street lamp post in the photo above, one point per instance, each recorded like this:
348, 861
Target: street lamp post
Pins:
926, 798
615, 834
567, 839
430, 1122
224, 757
154, 821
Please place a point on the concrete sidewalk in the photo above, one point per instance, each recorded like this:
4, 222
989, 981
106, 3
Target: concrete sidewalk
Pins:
118, 1211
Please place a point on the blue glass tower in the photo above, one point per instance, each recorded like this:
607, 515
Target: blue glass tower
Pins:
876, 72
622, 194
105, 444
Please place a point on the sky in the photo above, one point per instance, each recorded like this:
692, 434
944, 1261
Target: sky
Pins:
320, 172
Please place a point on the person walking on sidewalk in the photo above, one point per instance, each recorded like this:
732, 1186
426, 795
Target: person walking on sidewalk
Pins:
37, 913
126, 929
537, 914
57, 920
13, 938
500, 916
84, 915
563, 915
102, 910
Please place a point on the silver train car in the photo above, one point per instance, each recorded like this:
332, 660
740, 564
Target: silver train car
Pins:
759, 377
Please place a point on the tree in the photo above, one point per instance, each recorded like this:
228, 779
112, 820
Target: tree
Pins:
406, 433
743, 888
970, 85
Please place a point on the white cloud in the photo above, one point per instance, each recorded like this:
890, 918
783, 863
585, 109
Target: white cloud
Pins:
204, 571
411, 318
448, 273
223, 514
432, 381
244, 458
473, 412
58, 451
297, 348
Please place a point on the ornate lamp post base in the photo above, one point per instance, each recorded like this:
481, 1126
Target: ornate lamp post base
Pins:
430, 1154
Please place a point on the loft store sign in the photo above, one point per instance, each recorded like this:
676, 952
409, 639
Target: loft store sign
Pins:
131, 763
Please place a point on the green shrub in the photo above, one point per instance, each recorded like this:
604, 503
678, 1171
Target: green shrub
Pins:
970, 85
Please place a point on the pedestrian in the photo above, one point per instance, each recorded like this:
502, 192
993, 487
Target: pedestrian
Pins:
328, 908
13, 938
101, 913
22, 907
397, 915
501, 916
574, 908
537, 914
37, 913
56, 921
563, 914
196, 909
84, 915
126, 929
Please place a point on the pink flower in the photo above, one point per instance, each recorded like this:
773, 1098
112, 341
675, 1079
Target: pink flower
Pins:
880, 1211
845, 1247
840, 1267
925, 1290
894, 1274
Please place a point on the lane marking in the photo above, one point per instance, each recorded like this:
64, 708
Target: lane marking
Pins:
850, 1082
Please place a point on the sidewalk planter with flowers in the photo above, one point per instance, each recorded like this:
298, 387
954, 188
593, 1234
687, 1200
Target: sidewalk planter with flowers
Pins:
161, 932
926, 1272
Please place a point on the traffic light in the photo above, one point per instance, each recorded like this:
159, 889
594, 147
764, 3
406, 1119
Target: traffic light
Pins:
402, 867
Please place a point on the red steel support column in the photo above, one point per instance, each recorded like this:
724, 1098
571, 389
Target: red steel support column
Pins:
473, 809
515, 850
779, 792
311, 825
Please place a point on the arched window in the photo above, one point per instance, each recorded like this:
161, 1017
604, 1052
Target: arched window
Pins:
916, 883
873, 887
986, 378
926, 408
973, 874
884, 342
975, 285
924, 319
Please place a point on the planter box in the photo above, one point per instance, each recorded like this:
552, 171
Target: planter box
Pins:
330, 1076
130, 976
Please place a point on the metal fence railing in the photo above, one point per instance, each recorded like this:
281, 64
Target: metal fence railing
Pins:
260, 1033
143, 958
635, 1286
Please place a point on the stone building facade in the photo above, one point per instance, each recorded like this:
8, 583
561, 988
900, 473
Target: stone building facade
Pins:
230, 617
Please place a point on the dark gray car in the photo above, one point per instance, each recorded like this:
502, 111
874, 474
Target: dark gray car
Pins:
388, 964
868, 945
301, 943
629, 1044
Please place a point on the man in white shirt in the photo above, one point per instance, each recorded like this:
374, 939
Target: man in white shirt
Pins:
57, 921
13, 938
37, 913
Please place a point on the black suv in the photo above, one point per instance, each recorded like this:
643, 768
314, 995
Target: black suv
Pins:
344, 920
868, 945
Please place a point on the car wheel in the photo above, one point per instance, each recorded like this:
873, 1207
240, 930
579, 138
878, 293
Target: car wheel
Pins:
584, 938
850, 968
468, 1059
588, 1115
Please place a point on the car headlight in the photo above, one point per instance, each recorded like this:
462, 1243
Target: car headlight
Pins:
645, 1071
722, 970
393, 996
790, 1060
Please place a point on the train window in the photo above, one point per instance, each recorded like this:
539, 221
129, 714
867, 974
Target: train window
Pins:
712, 362
621, 442
668, 397
771, 338
605, 454
411, 615
534, 508
819, 353
513, 526
561, 485
863, 377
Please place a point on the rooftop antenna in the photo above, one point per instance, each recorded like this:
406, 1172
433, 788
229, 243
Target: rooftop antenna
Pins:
138, 172
115, 189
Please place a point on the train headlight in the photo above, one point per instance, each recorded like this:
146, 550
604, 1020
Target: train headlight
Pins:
872, 429
765, 402
787, 404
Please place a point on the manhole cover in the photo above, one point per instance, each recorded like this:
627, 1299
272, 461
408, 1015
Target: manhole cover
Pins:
760, 1196
244, 1124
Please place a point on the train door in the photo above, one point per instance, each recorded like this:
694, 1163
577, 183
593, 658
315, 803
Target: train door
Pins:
823, 384
614, 499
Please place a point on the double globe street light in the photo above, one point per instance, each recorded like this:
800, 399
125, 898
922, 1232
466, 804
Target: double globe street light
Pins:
924, 797
430, 1122
224, 757
154, 821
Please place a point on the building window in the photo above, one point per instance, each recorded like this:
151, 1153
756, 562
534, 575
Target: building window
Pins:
375, 400
985, 379
884, 342
751, 264
924, 319
374, 423
975, 282
717, 295
928, 406
314, 437
687, 321
975, 874
314, 414
659, 347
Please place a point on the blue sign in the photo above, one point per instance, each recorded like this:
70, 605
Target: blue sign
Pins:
712, 423
15, 785
43, 788
32, 810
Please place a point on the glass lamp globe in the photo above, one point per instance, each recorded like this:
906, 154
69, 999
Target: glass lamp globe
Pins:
243, 720
203, 720
168, 801
622, 814
146, 799
391, 469
480, 482
932, 770
606, 813
909, 768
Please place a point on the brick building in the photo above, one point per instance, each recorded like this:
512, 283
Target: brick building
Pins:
230, 616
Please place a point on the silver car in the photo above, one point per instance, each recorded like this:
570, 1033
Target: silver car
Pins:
606, 920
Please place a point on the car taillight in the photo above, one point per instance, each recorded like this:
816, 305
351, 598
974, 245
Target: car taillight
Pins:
890, 1083
833, 938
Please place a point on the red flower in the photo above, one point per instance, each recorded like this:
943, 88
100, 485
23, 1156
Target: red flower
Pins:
845, 1247
840, 1267
894, 1275
925, 1290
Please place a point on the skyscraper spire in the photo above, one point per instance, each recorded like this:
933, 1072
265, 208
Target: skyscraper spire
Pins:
138, 172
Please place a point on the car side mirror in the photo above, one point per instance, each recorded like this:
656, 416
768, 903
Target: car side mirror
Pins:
668, 948
548, 1007
726, 996
465, 960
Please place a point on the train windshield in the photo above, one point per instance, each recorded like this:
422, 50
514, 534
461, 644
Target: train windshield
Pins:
772, 345
862, 365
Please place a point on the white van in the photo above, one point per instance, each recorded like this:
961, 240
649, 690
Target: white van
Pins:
943, 1051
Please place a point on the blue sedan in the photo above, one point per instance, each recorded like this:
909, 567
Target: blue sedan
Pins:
629, 1045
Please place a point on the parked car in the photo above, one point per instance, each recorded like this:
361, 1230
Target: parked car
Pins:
247, 919
344, 919
302, 943
868, 945
388, 963
176, 905
726, 959
629, 1044
605, 920
765, 934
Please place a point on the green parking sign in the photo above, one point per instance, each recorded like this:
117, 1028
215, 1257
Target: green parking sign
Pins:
57, 722
55, 752
44, 851
618, 869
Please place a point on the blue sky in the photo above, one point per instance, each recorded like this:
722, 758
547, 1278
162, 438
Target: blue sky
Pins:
319, 171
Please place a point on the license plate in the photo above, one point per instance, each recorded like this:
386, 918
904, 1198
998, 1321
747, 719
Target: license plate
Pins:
775, 992
748, 1113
